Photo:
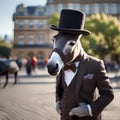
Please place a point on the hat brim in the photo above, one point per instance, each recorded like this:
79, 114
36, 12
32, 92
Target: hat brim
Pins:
73, 31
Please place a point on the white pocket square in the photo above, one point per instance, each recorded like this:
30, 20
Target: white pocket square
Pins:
88, 76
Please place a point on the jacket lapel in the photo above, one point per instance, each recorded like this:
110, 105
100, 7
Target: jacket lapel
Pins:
81, 70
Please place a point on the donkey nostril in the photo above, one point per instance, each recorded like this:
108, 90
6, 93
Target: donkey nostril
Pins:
56, 66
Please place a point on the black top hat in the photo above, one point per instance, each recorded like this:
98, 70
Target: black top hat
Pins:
71, 21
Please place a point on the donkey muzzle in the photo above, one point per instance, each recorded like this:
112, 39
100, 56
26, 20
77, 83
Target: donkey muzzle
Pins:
55, 63
52, 68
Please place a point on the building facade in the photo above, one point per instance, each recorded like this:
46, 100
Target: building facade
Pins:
111, 7
31, 33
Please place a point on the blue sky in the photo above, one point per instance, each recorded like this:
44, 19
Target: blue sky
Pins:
7, 8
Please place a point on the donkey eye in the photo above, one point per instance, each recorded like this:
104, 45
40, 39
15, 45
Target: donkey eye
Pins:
53, 40
72, 43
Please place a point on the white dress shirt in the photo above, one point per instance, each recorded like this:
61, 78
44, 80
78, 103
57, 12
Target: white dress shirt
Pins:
69, 74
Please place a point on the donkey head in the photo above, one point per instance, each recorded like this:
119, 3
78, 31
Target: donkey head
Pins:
67, 45
67, 48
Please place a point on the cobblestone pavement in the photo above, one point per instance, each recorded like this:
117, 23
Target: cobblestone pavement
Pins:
33, 98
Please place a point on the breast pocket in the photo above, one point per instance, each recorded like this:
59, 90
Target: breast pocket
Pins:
88, 84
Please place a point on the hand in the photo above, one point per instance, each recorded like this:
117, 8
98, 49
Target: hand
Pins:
58, 106
80, 111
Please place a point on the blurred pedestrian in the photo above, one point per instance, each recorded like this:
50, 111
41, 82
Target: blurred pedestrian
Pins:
28, 67
45, 61
19, 63
34, 63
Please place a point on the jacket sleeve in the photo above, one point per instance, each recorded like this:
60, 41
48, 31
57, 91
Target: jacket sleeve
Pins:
104, 88
59, 89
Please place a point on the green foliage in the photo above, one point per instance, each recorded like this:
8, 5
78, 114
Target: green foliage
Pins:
5, 49
54, 19
105, 35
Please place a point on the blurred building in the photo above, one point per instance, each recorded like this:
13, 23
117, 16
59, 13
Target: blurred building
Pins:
111, 7
31, 33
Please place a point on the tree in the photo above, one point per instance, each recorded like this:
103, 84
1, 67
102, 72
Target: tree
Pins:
54, 19
105, 35
5, 48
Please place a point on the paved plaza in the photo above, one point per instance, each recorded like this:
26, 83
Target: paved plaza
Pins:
33, 98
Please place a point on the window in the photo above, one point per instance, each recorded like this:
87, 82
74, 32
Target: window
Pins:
40, 39
70, 6
41, 24
21, 39
118, 8
113, 8
106, 10
86, 9
31, 23
96, 8
77, 6
21, 24
91, 11
60, 7
51, 9
101, 8
31, 40
21, 13
40, 13
20, 10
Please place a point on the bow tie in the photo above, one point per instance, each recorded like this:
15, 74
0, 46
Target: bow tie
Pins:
70, 67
